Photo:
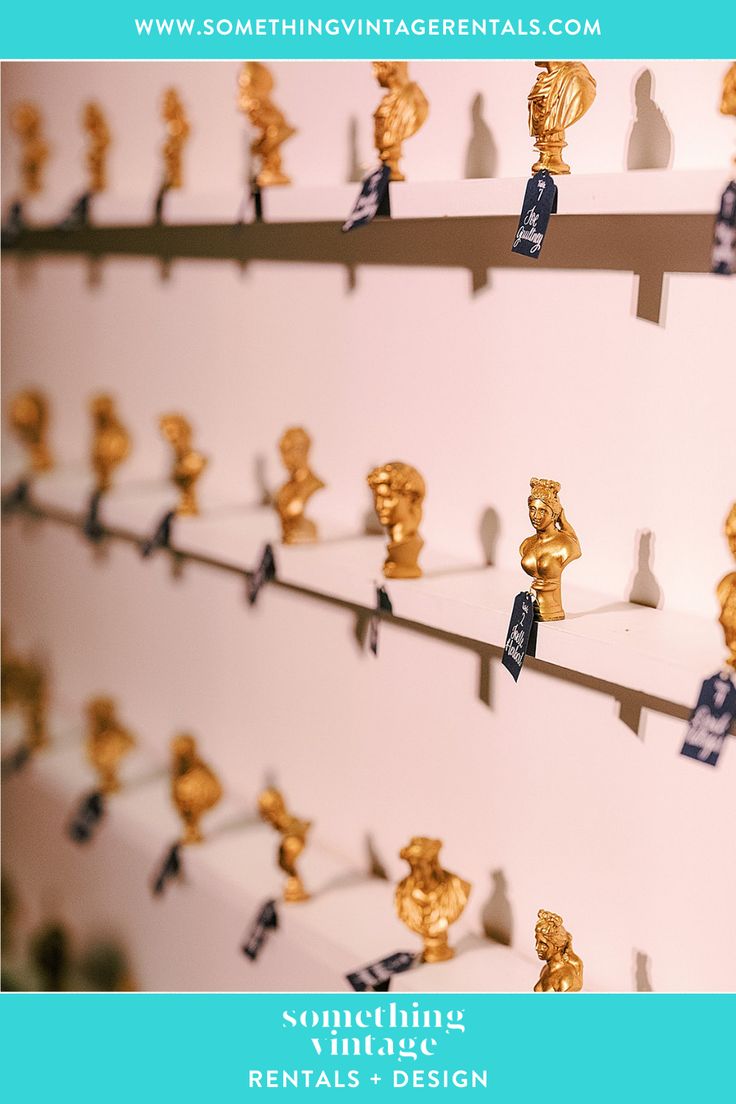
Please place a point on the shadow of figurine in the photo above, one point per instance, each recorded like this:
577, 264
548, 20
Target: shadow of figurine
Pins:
490, 531
496, 915
265, 498
481, 156
643, 588
376, 867
642, 965
355, 171
650, 144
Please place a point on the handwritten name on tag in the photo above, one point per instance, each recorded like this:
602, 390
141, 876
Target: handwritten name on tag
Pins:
724, 242
170, 868
264, 573
521, 634
383, 605
267, 920
540, 202
373, 199
87, 817
161, 536
376, 977
710, 722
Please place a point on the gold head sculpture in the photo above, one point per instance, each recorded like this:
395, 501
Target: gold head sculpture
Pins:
24, 684
545, 555
561, 95
429, 899
29, 417
563, 970
727, 593
108, 742
728, 97
195, 789
302, 483
27, 122
177, 133
188, 463
293, 832
98, 132
399, 115
110, 440
398, 492
255, 85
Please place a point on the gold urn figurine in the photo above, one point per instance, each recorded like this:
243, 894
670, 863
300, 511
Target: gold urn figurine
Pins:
554, 545
727, 593
29, 417
110, 440
177, 133
195, 789
563, 970
292, 498
108, 742
399, 115
188, 463
429, 899
27, 123
255, 85
398, 493
293, 832
562, 93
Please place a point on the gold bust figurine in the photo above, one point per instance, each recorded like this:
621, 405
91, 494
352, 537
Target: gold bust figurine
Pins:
255, 85
563, 970
29, 417
188, 463
728, 98
24, 684
98, 133
302, 483
27, 122
561, 95
727, 593
293, 831
398, 492
195, 789
108, 742
110, 440
546, 555
177, 132
399, 115
429, 899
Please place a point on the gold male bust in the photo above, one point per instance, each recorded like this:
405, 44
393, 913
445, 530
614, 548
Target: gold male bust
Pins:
108, 742
554, 545
398, 492
563, 970
188, 463
98, 132
27, 123
727, 593
293, 831
561, 95
399, 115
29, 417
110, 440
292, 498
255, 85
177, 132
429, 899
195, 789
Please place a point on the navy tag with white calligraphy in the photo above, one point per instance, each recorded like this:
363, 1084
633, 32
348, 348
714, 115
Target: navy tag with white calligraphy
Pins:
540, 201
373, 199
264, 573
266, 920
521, 637
89, 814
170, 868
711, 720
383, 605
376, 977
724, 243
161, 537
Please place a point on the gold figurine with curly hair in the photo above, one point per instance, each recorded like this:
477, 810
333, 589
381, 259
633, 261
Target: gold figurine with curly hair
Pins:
292, 498
255, 85
293, 831
188, 463
399, 115
430, 898
727, 593
563, 970
554, 545
398, 493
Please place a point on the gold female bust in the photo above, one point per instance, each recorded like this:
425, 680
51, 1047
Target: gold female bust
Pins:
255, 85
107, 742
398, 492
188, 463
546, 555
429, 899
302, 483
110, 440
399, 115
195, 789
727, 593
29, 417
563, 970
272, 808
561, 95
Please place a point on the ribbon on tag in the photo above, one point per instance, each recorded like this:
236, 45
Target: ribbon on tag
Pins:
264, 573
521, 637
161, 537
92, 527
170, 868
267, 920
724, 241
15, 761
383, 605
17, 498
373, 199
78, 216
87, 817
711, 719
376, 977
540, 202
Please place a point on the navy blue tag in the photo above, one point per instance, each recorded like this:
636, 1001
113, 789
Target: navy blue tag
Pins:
266, 920
540, 201
383, 605
17, 497
376, 978
78, 215
170, 868
264, 573
711, 720
521, 637
373, 199
87, 817
92, 527
724, 242
15, 760
161, 537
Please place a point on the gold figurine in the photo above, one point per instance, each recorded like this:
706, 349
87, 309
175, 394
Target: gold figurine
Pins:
98, 132
29, 417
255, 85
108, 742
563, 970
728, 99
727, 593
302, 483
398, 492
429, 899
188, 463
546, 555
399, 115
24, 684
27, 122
195, 789
177, 132
293, 832
561, 95
110, 441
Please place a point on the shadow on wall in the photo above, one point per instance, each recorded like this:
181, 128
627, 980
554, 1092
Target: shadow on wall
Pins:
650, 144
643, 588
355, 171
481, 158
496, 915
490, 531
642, 966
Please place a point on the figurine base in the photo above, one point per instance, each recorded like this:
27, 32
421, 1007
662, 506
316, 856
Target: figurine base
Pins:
271, 179
437, 951
550, 155
294, 892
192, 835
393, 570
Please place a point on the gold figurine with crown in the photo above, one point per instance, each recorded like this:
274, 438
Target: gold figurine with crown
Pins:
108, 742
293, 832
399, 115
29, 417
188, 463
195, 788
398, 493
562, 93
554, 545
429, 898
563, 970
292, 498
255, 85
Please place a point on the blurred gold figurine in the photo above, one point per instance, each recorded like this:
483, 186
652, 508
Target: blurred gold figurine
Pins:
110, 441
272, 809
188, 463
399, 115
563, 970
398, 492
98, 133
24, 684
29, 417
255, 85
292, 498
429, 899
108, 742
26, 121
546, 555
177, 132
561, 95
728, 99
195, 789
727, 593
